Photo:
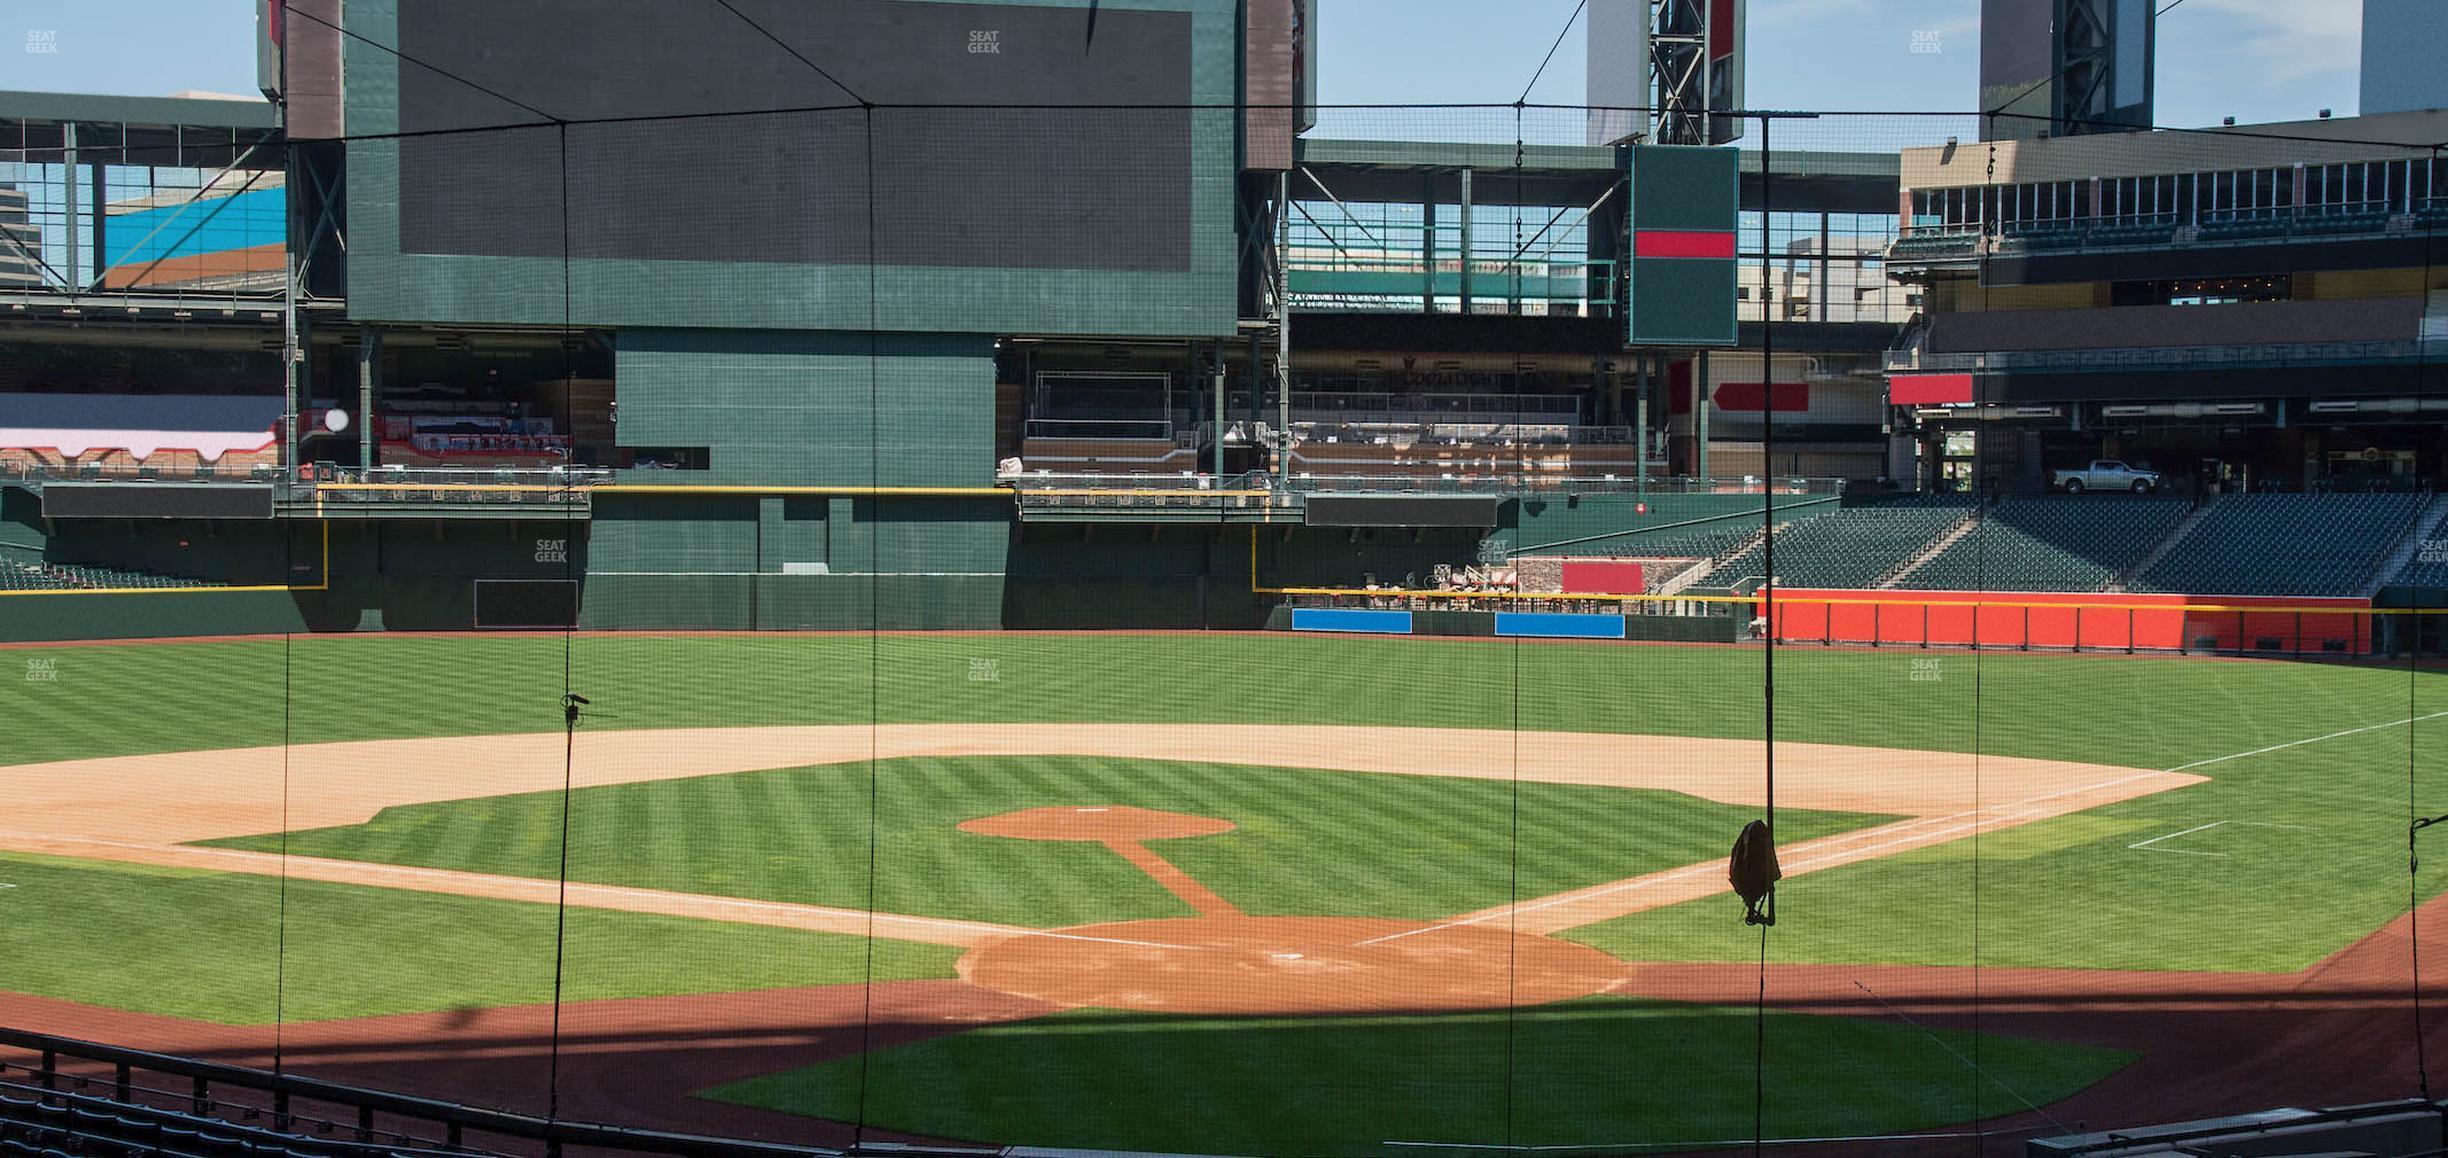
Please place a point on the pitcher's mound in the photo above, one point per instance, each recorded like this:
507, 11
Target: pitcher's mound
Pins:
1291, 965
1097, 823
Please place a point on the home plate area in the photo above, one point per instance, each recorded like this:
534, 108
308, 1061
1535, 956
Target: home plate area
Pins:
1224, 961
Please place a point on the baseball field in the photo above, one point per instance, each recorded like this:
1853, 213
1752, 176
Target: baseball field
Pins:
1229, 893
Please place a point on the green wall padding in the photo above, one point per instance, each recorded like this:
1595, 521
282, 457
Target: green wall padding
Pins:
811, 409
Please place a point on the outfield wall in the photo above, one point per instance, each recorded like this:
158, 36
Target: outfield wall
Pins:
2074, 621
708, 562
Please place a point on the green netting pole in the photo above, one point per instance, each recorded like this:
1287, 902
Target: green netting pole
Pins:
1283, 331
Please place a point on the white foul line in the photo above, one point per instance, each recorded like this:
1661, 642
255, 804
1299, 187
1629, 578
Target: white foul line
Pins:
2145, 845
2018, 810
604, 892
2313, 740
1915, 838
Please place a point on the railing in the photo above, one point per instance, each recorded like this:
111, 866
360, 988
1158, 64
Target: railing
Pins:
573, 486
1046, 491
1579, 484
38, 473
427, 1122
1036, 485
383, 485
1150, 429
1383, 401
2157, 230
2160, 357
1492, 431
1463, 599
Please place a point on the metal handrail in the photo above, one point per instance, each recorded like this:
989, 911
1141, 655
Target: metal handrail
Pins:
2274, 354
455, 1117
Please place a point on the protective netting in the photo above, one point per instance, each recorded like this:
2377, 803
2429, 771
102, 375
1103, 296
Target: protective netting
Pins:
867, 588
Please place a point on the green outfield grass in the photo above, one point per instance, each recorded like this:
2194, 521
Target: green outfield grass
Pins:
1605, 1071
1307, 842
211, 946
2307, 891
2142, 712
2304, 852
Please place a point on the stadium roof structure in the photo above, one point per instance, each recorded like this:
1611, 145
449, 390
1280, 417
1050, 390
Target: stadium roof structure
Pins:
188, 112
1536, 174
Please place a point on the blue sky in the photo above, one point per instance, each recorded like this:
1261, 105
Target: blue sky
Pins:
2258, 60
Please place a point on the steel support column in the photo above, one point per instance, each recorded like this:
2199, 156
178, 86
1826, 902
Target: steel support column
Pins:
1700, 416
1640, 429
1465, 220
369, 370
68, 194
1283, 327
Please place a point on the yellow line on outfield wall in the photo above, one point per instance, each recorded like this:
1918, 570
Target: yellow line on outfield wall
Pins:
1823, 600
1145, 493
148, 590
505, 488
877, 492
671, 489
753, 489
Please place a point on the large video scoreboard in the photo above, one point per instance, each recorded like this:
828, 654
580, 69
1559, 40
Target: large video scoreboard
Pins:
823, 164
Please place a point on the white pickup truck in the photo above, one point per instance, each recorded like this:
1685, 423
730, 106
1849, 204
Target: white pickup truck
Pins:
2105, 474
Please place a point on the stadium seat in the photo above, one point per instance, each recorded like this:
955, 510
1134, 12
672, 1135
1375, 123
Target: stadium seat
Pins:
2051, 544
2285, 545
1710, 542
1855, 547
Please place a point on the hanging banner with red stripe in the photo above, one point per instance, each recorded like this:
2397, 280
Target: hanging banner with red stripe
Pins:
1684, 214
1928, 389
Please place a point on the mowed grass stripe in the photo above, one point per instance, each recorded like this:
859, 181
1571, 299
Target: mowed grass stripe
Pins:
2113, 710
204, 945
2311, 856
2139, 712
1308, 841
1601, 1072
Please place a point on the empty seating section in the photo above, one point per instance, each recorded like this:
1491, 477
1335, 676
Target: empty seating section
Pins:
1702, 542
1933, 246
2285, 545
2330, 223
2264, 545
2244, 229
1855, 547
2051, 236
20, 577
1107, 455
2420, 572
2426, 559
38, 1123
2051, 544
26, 570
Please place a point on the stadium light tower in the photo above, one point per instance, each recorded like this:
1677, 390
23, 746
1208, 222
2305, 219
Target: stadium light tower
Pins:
2066, 67
1695, 55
